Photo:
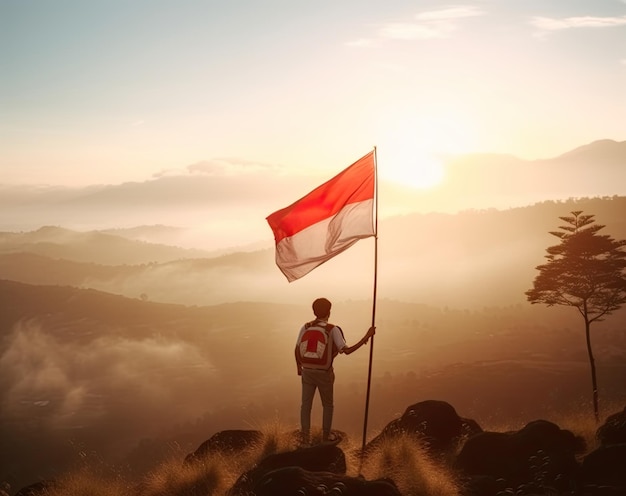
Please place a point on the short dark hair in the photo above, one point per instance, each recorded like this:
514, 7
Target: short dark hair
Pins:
321, 307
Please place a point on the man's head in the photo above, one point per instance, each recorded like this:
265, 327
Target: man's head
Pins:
321, 308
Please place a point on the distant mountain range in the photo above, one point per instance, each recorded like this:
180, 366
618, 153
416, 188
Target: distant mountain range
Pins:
602, 152
218, 212
112, 247
468, 259
501, 181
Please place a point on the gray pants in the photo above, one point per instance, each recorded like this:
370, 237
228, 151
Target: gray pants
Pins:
323, 380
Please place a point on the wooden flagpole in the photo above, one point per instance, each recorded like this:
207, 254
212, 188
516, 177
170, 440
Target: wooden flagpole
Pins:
369, 371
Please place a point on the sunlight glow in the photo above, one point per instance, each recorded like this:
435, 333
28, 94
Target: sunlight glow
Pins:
410, 168
410, 150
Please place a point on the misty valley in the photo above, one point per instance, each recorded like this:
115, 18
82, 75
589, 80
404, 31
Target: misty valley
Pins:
121, 351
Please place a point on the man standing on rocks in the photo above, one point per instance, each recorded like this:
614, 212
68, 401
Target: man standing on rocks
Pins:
318, 343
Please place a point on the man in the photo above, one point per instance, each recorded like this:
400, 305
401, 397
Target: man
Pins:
317, 345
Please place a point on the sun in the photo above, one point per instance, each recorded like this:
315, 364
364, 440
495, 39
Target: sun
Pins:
413, 145
414, 169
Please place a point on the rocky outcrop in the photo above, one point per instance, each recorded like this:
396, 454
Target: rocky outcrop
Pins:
434, 423
539, 455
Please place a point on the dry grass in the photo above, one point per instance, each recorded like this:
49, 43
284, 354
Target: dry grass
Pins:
173, 478
401, 459
406, 462
89, 482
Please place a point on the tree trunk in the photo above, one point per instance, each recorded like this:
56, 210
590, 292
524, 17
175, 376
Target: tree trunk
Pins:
592, 363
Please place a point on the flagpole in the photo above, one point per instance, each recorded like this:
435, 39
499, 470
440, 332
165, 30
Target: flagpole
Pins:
369, 371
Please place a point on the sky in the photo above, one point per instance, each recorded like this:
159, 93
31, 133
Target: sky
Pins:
105, 92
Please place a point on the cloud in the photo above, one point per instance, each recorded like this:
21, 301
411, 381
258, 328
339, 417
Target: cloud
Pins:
547, 24
71, 381
431, 24
222, 167
230, 167
167, 173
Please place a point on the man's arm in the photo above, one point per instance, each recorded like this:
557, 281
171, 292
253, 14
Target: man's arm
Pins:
351, 349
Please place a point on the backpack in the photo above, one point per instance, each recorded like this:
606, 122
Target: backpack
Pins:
316, 347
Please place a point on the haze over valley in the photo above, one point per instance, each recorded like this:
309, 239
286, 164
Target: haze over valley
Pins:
223, 207
468, 242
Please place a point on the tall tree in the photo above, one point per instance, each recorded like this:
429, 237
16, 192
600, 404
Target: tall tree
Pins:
586, 271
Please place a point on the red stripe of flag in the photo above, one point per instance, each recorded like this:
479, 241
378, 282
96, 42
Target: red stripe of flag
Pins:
352, 185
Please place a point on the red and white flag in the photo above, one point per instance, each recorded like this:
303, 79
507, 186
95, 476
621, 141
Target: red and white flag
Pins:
327, 221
